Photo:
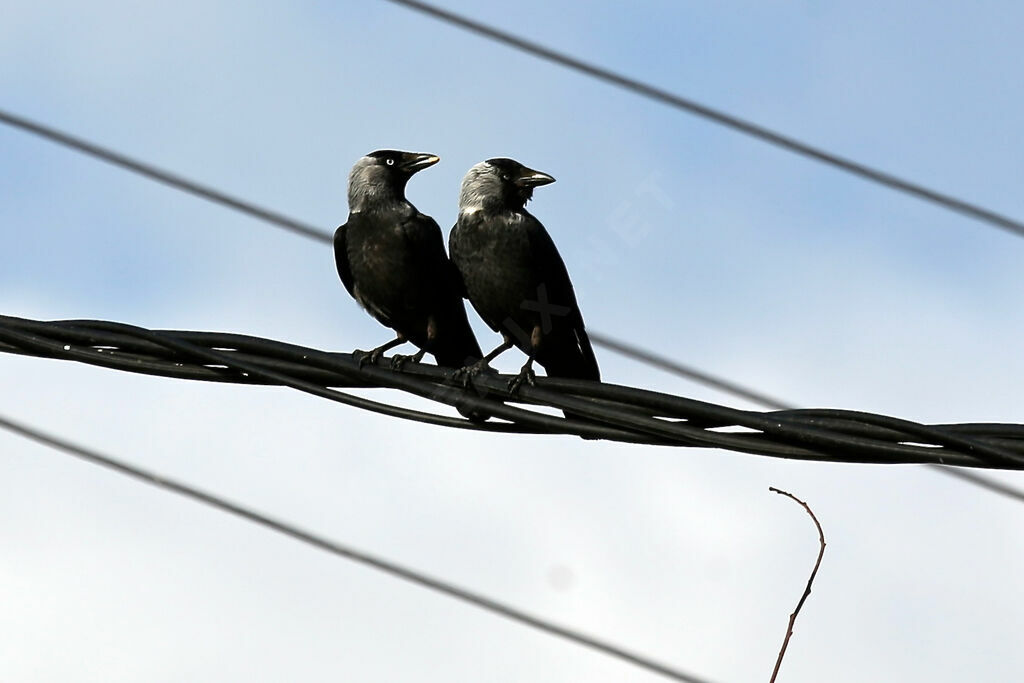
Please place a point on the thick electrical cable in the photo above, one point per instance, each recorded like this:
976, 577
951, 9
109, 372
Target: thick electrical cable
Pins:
607, 411
669, 365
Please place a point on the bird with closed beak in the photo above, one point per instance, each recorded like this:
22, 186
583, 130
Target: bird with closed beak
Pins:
391, 259
514, 275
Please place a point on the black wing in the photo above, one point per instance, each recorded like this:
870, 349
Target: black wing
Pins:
423, 234
578, 360
551, 269
341, 258
589, 359
442, 290
453, 249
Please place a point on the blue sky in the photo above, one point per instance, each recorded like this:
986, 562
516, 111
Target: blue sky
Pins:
683, 237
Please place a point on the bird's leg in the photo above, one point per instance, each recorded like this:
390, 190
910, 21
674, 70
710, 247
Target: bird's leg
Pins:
397, 361
465, 374
525, 376
505, 345
371, 356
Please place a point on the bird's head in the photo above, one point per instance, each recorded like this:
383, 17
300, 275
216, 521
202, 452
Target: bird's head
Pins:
382, 175
499, 184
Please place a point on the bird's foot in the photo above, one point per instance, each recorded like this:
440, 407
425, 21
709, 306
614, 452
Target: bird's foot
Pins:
526, 376
398, 360
364, 357
465, 375
371, 356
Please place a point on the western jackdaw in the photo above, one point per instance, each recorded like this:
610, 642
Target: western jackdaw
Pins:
514, 275
391, 259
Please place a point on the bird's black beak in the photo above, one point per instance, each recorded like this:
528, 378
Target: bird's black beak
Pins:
411, 163
531, 178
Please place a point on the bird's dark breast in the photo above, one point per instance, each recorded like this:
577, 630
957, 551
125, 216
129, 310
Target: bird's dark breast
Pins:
387, 278
497, 268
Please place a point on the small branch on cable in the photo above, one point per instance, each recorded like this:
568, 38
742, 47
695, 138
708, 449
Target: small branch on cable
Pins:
810, 580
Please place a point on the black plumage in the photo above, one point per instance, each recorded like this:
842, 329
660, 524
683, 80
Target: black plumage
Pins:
514, 275
391, 259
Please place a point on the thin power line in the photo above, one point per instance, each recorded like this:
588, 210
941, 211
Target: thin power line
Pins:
653, 359
347, 552
307, 230
746, 127
739, 390
165, 177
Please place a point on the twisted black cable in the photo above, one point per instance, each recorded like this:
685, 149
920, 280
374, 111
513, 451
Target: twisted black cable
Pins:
613, 412
767, 401
306, 230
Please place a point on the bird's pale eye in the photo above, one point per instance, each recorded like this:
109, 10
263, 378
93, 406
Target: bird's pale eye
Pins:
504, 176
389, 161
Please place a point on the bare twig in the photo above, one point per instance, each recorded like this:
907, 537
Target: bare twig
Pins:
810, 580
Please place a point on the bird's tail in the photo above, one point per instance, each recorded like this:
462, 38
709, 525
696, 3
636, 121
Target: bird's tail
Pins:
571, 357
456, 349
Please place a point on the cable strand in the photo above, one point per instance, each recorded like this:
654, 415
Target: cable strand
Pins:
735, 123
349, 553
608, 411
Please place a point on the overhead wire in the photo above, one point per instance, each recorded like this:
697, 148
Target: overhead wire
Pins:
161, 176
348, 552
735, 123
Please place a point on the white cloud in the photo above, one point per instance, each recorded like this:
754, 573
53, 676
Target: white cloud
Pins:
784, 276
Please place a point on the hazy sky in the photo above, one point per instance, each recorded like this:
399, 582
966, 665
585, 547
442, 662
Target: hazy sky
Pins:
682, 237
